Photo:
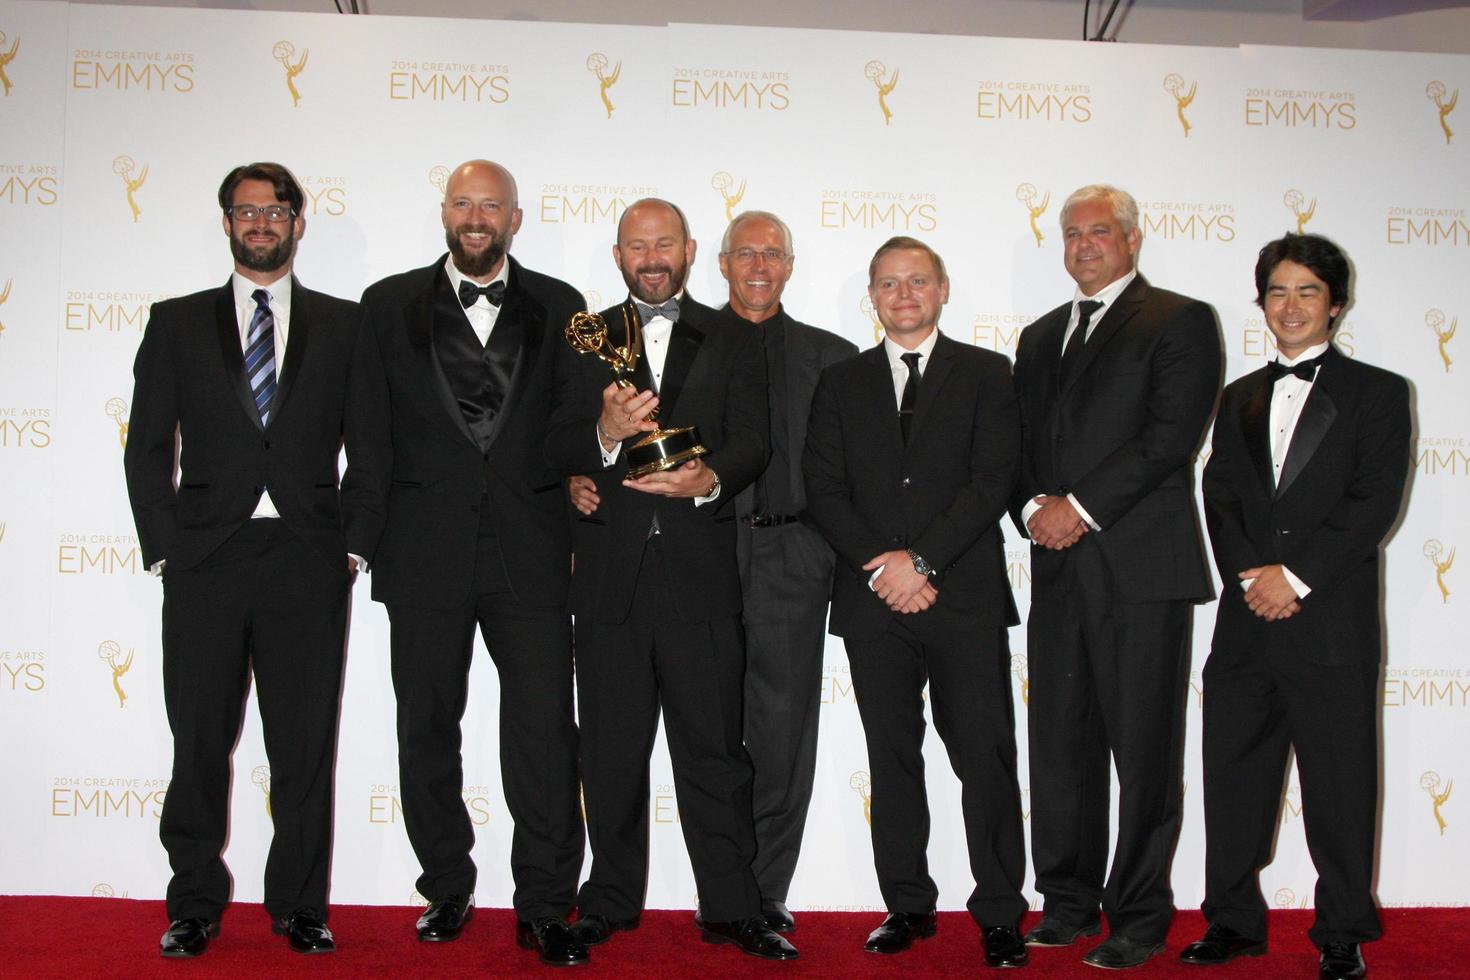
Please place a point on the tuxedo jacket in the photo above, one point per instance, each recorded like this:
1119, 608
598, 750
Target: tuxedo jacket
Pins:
1341, 487
425, 477
940, 495
190, 380
714, 378
1121, 436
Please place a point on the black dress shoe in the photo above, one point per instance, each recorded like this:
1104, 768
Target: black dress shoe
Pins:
445, 918
778, 917
554, 939
305, 931
752, 935
1342, 961
1221, 944
899, 930
1055, 932
590, 930
187, 937
1003, 946
1121, 953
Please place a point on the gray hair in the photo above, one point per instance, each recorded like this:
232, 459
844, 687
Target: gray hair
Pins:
744, 216
1120, 202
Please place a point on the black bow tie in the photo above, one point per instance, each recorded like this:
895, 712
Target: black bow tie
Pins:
668, 309
1306, 370
469, 293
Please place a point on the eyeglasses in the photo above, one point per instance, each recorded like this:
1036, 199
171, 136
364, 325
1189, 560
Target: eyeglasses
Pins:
771, 255
250, 212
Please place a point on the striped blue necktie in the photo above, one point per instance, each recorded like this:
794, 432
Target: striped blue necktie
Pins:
260, 355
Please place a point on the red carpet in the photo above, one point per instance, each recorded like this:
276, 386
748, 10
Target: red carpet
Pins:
116, 938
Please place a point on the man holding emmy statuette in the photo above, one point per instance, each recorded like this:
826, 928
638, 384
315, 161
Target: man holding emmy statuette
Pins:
248, 386
656, 588
911, 453
1304, 485
470, 531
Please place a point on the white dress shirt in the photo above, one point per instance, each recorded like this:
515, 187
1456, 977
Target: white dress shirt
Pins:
480, 313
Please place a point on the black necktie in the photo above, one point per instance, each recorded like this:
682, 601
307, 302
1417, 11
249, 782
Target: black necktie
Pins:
668, 309
1075, 343
469, 293
910, 394
1306, 370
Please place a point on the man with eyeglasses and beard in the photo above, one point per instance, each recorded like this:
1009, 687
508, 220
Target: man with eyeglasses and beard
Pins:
467, 528
656, 590
248, 387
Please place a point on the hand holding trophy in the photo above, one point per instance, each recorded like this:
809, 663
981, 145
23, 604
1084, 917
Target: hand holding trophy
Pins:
660, 449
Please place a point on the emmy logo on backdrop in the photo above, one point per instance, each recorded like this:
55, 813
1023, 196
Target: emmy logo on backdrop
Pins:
862, 785
1431, 784
124, 166
597, 65
439, 177
1026, 194
1023, 677
1294, 199
6, 57
1434, 551
5, 295
110, 653
722, 182
874, 72
103, 890
1434, 92
117, 410
1174, 85
1433, 319
866, 306
284, 51
261, 776
1286, 899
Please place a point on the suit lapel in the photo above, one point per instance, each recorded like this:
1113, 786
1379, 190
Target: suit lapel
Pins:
803, 368
297, 338
227, 329
524, 315
419, 316
684, 342
940, 361
1255, 427
886, 430
1114, 318
1317, 417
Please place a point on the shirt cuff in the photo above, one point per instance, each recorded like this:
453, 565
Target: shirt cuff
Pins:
1082, 512
362, 565
713, 495
874, 577
609, 457
156, 569
1297, 584
1027, 509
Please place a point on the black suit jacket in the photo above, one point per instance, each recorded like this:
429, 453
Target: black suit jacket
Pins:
1340, 491
1122, 438
190, 380
941, 495
424, 474
714, 378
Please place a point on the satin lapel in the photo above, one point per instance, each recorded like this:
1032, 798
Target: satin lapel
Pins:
684, 342
1255, 427
940, 362
523, 314
296, 341
884, 425
419, 316
803, 368
1114, 319
1317, 417
227, 328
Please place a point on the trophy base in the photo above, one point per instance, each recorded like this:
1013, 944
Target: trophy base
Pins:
663, 449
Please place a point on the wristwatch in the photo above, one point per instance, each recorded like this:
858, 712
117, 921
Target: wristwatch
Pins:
715, 487
920, 565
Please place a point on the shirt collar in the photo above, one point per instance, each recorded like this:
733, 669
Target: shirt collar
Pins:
1108, 294
280, 291
1305, 355
456, 277
895, 352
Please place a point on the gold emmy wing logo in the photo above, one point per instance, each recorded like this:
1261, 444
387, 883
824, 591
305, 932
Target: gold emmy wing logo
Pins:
1295, 200
439, 177
110, 653
261, 776
284, 52
1026, 194
862, 785
117, 410
6, 57
874, 72
124, 166
5, 295
592, 298
1439, 792
597, 65
722, 182
866, 306
1286, 899
1434, 92
1434, 320
1434, 551
1023, 677
1174, 85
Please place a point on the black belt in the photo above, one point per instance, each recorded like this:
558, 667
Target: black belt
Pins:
769, 520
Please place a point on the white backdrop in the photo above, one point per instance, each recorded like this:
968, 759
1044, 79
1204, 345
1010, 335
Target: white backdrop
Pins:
120, 122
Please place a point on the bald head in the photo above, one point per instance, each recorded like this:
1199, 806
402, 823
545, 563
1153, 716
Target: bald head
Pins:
472, 170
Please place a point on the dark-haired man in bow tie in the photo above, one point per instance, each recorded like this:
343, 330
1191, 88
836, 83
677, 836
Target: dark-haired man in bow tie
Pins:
471, 532
1305, 481
1116, 389
656, 591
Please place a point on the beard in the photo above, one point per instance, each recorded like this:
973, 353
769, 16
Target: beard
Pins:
475, 264
263, 258
676, 276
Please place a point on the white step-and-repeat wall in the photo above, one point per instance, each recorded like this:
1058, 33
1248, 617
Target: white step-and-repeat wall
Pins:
119, 123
